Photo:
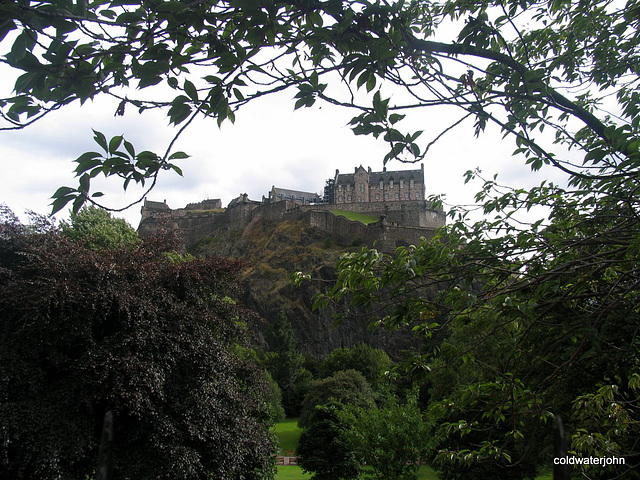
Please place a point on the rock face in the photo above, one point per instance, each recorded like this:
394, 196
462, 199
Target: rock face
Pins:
276, 249
281, 238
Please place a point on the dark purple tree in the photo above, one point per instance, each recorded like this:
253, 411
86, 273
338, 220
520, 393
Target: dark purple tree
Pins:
146, 335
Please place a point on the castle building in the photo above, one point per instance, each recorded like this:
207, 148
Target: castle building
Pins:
365, 186
397, 198
302, 198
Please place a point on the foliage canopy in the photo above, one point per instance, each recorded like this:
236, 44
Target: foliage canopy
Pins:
324, 448
99, 229
85, 331
570, 68
348, 387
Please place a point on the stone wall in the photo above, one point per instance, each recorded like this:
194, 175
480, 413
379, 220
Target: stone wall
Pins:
417, 213
192, 225
385, 236
209, 204
401, 223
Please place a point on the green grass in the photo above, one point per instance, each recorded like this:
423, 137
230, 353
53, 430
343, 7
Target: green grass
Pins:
293, 472
359, 217
288, 435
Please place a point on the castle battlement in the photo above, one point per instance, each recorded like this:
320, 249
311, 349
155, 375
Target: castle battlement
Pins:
396, 197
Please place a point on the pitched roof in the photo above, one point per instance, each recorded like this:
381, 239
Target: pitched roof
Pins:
294, 194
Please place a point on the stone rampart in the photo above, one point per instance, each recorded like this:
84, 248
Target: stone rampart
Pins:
400, 224
412, 213
387, 237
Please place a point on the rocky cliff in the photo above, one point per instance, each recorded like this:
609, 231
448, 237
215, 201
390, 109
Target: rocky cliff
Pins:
276, 249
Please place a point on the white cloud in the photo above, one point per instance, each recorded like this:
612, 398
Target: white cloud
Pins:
270, 144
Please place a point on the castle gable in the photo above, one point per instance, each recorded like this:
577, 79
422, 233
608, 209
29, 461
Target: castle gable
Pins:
297, 196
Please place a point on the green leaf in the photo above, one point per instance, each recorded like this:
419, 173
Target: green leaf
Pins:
178, 155
149, 80
371, 82
395, 118
130, 149
238, 94
101, 140
62, 197
115, 143
190, 90
179, 112
363, 78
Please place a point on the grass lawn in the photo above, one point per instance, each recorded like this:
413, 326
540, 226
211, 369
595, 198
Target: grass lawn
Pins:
292, 472
288, 435
359, 217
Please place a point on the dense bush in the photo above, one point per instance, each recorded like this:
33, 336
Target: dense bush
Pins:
324, 448
348, 387
371, 362
392, 440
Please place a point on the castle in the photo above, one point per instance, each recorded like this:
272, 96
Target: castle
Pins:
397, 198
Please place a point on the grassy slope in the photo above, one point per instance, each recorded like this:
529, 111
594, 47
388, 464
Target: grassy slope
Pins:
288, 434
360, 217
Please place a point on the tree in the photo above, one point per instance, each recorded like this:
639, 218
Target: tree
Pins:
324, 448
371, 362
128, 330
99, 229
286, 365
520, 337
392, 439
348, 387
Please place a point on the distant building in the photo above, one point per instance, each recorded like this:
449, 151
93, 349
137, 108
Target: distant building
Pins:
365, 186
303, 198
209, 204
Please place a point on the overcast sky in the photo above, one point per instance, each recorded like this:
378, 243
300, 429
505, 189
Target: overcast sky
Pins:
269, 144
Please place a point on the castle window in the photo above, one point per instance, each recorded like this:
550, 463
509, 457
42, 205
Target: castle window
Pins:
417, 196
340, 199
348, 198
386, 196
339, 188
381, 185
377, 196
397, 196
401, 183
406, 195
361, 187
391, 183
411, 183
